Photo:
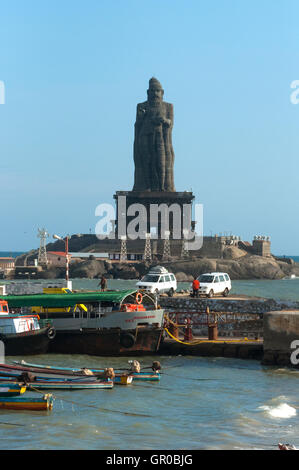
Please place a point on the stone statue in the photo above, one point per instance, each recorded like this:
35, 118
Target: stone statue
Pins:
153, 151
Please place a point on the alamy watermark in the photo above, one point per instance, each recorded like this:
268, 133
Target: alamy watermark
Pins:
294, 97
294, 358
2, 92
157, 220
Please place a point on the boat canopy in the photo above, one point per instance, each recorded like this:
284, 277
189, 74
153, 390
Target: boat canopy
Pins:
69, 300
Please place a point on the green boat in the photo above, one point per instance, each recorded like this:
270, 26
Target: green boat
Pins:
114, 323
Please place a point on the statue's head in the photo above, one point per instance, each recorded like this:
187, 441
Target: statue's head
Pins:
155, 92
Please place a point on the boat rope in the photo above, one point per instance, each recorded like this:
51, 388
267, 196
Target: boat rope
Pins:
189, 378
127, 413
156, 387
216, 341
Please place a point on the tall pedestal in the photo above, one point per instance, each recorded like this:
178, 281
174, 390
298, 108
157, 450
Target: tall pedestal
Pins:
177, 204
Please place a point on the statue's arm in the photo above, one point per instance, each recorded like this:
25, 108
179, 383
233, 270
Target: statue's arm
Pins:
140, 113
168, 122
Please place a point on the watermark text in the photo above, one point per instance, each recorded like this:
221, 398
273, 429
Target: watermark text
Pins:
159, 221
295, 94
2, 92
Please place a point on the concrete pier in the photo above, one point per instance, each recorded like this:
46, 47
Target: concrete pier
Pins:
281, 338
242, 324
220, 348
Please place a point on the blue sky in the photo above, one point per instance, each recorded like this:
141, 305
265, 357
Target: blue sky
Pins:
74, 72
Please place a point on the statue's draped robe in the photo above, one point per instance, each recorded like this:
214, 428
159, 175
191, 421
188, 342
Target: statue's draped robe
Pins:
153, 151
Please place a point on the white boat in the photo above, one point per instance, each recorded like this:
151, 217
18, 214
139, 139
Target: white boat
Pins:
113, 323
22, 334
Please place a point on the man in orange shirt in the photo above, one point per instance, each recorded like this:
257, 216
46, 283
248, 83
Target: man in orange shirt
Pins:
195, 287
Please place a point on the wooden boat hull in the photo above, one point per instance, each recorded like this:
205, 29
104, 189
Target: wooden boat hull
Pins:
28, 343
63, 383
44, 403
146, 376
11, 389
61, 375
53, 382
123, 379
110, 342
69, 385
151, 376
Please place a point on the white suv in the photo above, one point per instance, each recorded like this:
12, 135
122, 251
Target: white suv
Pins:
214, 283
158, 280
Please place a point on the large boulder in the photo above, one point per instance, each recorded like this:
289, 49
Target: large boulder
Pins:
233, 252
192, 267
251, 267
123, 271
89, 269
183, 277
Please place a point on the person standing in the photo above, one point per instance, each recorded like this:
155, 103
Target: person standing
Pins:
195, 287
103, 283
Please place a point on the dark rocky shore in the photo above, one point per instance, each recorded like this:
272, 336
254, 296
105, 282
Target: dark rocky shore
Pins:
238, 263
247, 267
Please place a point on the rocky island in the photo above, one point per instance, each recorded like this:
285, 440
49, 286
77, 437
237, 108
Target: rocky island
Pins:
239, 262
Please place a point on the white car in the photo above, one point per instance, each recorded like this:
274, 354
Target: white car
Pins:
157, 281
214, 283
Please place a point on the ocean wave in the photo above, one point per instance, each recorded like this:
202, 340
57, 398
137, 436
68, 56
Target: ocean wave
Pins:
281, 411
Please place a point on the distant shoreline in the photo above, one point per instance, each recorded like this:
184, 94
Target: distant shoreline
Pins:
14, 254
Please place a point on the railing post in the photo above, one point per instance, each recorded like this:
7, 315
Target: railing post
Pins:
188, 331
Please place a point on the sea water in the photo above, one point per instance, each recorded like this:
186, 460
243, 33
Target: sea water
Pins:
199, 403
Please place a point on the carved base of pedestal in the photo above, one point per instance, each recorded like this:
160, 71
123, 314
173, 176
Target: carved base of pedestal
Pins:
172, 205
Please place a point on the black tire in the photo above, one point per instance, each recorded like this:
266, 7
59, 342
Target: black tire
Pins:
51, 333
210, 294
226, 292
127, 340
2, 338
170, 293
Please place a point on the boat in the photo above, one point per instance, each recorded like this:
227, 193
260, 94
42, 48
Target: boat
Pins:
114, 323
123, 379
66, 384
22, 334
44, 403
147, 376
62, 379
11, 389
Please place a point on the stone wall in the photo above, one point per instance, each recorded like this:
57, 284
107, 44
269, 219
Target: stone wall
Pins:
262, 248
227, 305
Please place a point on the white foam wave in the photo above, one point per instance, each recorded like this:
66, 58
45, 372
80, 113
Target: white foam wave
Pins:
281, 411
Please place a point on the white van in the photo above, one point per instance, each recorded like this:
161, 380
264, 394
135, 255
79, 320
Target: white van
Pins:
158, 280
214, 283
